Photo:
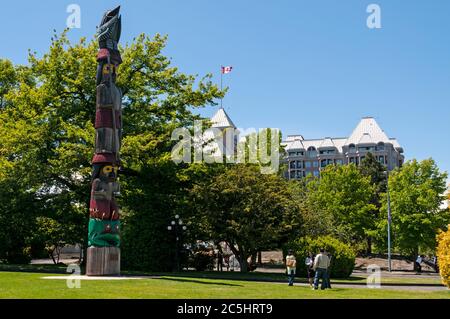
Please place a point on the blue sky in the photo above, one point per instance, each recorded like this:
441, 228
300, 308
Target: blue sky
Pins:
307, 67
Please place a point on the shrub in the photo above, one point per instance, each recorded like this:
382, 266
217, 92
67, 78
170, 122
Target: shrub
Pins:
202, 259
342, 261
443, 255
22, 257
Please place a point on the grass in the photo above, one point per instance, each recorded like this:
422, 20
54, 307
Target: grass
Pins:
252, 276
32, 286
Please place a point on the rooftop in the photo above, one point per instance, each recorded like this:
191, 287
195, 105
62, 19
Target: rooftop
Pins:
221, 119
367, 132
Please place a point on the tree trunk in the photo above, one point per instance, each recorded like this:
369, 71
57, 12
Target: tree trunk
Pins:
243, 263
51, 255
243, 259
58, 254
369, 246
240, 255
260, 258
415, 254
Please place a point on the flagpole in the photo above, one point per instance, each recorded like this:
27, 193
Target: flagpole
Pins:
221, 76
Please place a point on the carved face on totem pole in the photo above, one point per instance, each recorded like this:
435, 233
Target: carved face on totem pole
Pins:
104, 212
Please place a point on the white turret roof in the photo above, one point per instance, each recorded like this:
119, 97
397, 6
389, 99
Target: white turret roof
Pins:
367, 132
221, 119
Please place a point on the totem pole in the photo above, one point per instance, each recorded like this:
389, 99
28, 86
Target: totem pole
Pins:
103, 253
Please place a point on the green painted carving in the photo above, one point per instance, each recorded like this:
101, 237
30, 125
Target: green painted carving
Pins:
104, 233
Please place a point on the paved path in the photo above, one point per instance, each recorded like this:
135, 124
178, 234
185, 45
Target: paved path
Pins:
383, 287
400, 274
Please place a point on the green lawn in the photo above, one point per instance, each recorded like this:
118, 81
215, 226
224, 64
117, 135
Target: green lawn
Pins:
252, 276
255, 276
30, 285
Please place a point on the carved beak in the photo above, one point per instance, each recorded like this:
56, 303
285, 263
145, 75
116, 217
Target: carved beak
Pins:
113, 12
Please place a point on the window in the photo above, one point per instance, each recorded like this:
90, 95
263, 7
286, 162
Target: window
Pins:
316, 164
325, 162
339, 162
299, 164
300, 153
312, 152
292, 174
352, 148
316, 173
307, 164
326, 152
381, 160
366, 148
380, 146
351, 160
292, 165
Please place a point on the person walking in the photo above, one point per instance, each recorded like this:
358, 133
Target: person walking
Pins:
309, 263
321, 264
291, 264
418, 264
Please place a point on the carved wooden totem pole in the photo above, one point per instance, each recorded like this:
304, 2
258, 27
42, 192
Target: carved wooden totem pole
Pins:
103, 253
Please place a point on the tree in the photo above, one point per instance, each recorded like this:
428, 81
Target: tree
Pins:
342, 195
416, 192
316, 222
378, 176
248, 210
443, 255
47, 117
8, 79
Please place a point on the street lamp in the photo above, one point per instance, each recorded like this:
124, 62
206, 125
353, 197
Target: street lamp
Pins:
389, 221
177, 226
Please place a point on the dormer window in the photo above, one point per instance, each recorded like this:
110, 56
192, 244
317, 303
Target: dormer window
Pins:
312, 152
326, 152
352, 148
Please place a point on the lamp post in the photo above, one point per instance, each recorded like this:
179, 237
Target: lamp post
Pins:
177, 226
389, 221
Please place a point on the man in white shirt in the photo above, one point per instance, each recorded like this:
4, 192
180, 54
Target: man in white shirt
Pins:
321, 264
291, 265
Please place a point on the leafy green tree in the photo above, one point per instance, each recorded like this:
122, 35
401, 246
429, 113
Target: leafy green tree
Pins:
416, 192
18, 210
316, 222
47, 137
342, 196
8, 79
248, 210
378, 176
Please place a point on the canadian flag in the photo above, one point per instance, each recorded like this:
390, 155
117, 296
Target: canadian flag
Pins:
226, 69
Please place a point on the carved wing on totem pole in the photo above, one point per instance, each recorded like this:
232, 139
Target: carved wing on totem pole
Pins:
104, 224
